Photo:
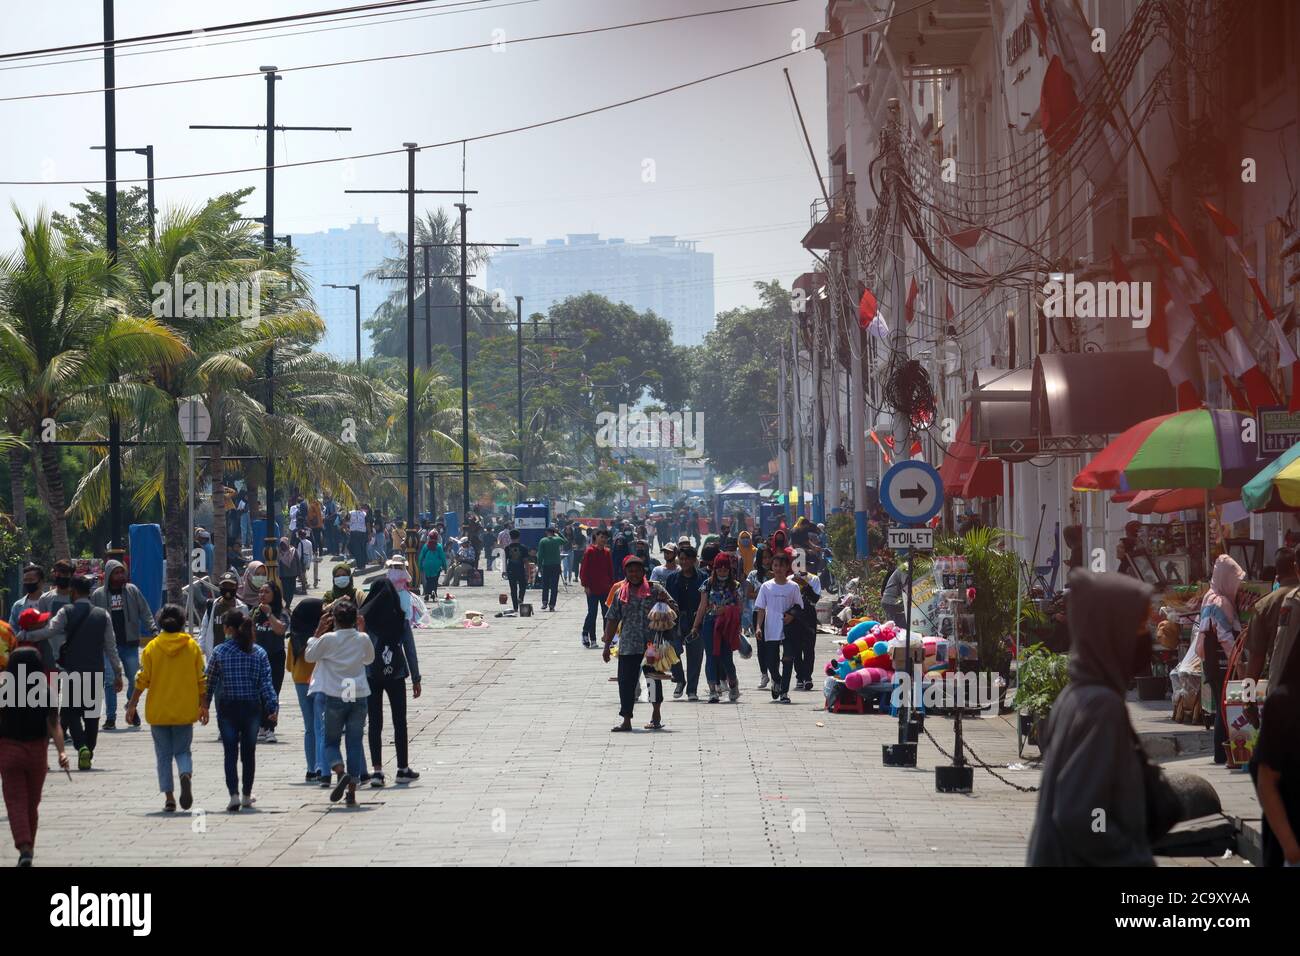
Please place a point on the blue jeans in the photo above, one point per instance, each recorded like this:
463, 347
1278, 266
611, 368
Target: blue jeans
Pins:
345, 720
130, 654
172, 742
239, 721
313, 723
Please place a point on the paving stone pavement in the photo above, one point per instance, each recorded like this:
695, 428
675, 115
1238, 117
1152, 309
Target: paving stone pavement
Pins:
511, 736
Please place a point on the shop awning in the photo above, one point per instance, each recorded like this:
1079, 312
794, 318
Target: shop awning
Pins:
964, 472
1082, 394
1000, 418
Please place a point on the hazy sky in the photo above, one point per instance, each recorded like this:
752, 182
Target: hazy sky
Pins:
730, 165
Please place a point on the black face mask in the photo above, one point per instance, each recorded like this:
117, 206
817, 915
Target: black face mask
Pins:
62, 582
31, 587
227, 595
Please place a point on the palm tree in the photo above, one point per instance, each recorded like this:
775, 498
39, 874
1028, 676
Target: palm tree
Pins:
61, 340
225, 368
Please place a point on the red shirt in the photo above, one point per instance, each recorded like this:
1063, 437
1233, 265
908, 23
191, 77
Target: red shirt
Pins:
596, 572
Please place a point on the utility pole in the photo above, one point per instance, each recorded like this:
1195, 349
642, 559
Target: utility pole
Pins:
410, 192
356, 291
782, 438
797, 415
464, 361
819, 424
833, 467
857, 387
116, 544
268, 243
519, 380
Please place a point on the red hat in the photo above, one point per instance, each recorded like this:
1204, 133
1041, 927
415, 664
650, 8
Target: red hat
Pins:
634, 559
31, 619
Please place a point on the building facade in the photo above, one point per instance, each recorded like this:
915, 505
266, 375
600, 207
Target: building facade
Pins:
343, 256
980, 151
665, 275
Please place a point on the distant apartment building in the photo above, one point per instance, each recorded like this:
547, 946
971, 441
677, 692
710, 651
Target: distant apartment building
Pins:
344, 256
665, 275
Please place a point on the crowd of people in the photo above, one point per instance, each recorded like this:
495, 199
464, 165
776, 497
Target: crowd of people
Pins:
70, 647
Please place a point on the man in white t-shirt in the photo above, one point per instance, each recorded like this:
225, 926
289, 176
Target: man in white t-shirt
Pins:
776, 597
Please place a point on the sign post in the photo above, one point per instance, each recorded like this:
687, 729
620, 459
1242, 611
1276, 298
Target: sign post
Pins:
911, 493
195, 424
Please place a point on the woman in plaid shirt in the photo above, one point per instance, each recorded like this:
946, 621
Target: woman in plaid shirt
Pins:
239, 677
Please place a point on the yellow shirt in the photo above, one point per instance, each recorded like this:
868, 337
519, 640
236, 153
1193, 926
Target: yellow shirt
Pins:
172, 671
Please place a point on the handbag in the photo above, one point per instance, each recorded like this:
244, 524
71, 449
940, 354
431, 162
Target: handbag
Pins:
746, 649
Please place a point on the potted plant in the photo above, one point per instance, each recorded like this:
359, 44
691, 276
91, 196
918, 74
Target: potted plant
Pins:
1041, 675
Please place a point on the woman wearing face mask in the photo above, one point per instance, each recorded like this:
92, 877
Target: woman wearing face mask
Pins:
387, 614
718, 622
343, 585
254, 577
269, 624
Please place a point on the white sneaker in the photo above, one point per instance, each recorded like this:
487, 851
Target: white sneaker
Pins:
762, 684
270, 737
247, 801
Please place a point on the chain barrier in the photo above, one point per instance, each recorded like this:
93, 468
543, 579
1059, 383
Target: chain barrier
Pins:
975, 759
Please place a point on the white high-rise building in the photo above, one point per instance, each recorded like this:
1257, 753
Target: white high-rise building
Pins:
665, 275
344, 256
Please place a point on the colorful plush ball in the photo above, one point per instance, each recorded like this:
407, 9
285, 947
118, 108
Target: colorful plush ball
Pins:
880, 647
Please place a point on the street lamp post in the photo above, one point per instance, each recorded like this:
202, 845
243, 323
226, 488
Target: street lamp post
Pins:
356, 291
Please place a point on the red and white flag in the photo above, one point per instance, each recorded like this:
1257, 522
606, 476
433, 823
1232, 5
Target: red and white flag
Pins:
1074, 72
912, 291
1285, 353
1169, 335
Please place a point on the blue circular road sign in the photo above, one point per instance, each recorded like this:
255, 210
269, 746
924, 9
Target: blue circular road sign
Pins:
911, 492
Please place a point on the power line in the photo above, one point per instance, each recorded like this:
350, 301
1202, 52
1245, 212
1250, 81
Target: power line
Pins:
698, 81
490, 44
442, 11
174, 34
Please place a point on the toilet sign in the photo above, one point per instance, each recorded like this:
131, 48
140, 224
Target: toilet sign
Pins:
911, 492
906, 539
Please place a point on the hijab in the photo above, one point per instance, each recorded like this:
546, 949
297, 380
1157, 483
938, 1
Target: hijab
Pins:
1219, 606
247, 590
383, 612
745, 548
303, 619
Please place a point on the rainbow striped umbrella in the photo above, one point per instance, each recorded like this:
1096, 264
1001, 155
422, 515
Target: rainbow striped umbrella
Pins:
1277, 487
1201, 448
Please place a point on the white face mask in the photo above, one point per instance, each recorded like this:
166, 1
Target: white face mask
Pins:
259, 580
399, 577
342, 581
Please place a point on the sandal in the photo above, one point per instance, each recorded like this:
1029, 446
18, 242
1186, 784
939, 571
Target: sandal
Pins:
619, 729
654, 725
169, 806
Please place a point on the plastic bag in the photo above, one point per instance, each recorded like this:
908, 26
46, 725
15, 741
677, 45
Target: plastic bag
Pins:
661, 617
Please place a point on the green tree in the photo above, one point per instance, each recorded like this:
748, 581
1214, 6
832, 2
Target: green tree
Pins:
733, 381
62, 338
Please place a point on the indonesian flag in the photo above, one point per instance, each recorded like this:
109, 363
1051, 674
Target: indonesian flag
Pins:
889, 460
911, 300
1073, 69
1206, 296
1285, 353
1174, 351
1230, 351
867, 308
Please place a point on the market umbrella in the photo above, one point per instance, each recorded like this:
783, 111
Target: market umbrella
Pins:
1201, 448
1277, 487
1166, 501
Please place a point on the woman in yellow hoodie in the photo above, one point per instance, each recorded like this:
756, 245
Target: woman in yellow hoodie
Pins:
745, 548
172, 670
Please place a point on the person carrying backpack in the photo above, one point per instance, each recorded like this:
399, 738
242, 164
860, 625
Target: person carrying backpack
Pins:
388, 623
84, 637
